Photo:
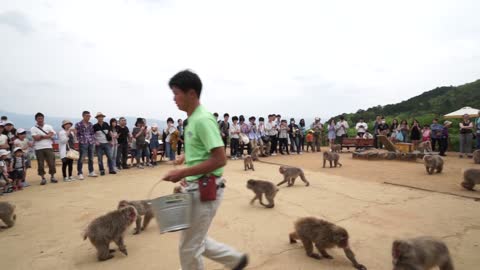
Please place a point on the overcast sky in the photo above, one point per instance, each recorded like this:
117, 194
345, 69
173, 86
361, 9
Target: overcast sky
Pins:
298, 58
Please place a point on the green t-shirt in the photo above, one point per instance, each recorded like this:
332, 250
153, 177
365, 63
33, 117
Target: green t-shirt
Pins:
201, 136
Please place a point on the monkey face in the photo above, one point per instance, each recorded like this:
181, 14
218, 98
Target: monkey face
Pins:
398, 249
250, 183
131, 213
325, 154
341, 238
282, 169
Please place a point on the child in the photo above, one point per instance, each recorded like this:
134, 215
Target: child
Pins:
283, 137
25, 145
153, 136
310, 138
66, 142
426, 132
5, 182
234, 138
17, 168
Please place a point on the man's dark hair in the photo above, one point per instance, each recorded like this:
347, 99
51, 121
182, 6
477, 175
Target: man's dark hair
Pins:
85, 112
186, 80
225, 115
178, 121
278, 115
252, 118
342, 118
170, 119
39, 114
241, 118
121, 118
283, 121
435, 119
215, 114
4, 118
261, 119
235, 118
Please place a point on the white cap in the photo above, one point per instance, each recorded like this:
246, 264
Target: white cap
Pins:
20, 131
16, 149
317, 118
4, 152
8, 123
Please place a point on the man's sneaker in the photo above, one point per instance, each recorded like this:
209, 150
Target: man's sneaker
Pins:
102, 173
274, 154
80, 177
53, 180
26, 184
149, 165
65, 179
44, 181
71, 178
92, 174
139, 166
113, 172
243, 263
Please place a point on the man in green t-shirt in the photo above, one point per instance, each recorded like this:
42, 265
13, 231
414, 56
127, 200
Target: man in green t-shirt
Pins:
204, 155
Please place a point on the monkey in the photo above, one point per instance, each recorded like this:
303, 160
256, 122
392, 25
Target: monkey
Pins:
424, 147
433, 163
337, 148
471, 177
7, 214
331, 156
254, 153
290, 174
260, 187
110, 227
144, 208
476, 156
324, 235
248, 163
421, 253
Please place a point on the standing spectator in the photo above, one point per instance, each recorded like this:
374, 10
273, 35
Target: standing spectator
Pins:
43, 134
394, 130
139, 133
244, 130
303, 133
415, 132
404, 129
181, 136
378, 120
5, 181
342, 128
3, 119
310, 139
153, 135
114, 143
103, 137
477, 128
252, 133
66, 142
361, 127
444, 140
17, 169
382, 129
283, 137
271, 131
436, 133
10, 132
124, 138
25, 145
317, 128
234, 139
466, 136
224, 128
169, 152
86, 141
215, 114
294, 133
332, 134
263, 139
3, 138
426, 133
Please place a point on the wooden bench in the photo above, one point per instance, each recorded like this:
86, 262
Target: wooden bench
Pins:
357, 143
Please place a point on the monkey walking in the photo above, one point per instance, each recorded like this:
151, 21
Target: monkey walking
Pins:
476, 156
432, 163
248, 163
110, 227
7, 214
421, 253
144, 208
324, 235
260, 187
331, 157
336, 148
471, 177
290, 174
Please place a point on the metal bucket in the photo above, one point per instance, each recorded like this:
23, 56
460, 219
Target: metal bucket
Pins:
173, 212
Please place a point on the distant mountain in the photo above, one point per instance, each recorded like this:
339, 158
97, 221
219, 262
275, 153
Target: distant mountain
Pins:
433, 103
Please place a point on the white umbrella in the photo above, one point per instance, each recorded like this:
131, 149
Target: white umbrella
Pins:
465, 110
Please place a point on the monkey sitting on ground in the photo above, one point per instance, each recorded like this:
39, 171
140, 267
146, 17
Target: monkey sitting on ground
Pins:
248, 163
331, 157
337, 148
144, 208
421, 253
433, 163
260, 187
471, 177
476, 156
424, 147
7, 214
290, 174
110, 227
324, 235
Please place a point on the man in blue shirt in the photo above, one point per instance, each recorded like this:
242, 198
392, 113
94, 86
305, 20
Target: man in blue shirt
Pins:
437, 133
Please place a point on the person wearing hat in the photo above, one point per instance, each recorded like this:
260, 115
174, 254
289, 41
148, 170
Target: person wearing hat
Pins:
86, 141
3, 138
466, 136
103, 137
66, 141
317, 128
4, 179
444, 139
22, 142
42, 135
17, 169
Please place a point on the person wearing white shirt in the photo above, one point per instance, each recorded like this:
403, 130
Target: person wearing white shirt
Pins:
65, 143
234, 132
341, 129
43, 134
361, 127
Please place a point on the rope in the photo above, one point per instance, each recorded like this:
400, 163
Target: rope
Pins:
434, 191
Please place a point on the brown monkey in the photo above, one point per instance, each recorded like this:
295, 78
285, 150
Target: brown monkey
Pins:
432, 163
144, 208
254, 153
476, 156
248, 163
421, 253
424, 147
337, 148
331, 156
324, 235
290, 174
471, 177
7, 214
260, 187
110, 227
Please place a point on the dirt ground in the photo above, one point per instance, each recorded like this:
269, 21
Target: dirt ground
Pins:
51, 218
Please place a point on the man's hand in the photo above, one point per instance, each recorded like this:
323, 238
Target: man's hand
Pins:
174, 176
